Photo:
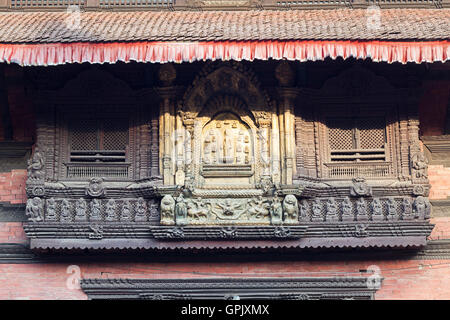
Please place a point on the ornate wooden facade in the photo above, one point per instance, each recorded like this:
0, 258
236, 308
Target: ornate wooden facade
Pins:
226, 162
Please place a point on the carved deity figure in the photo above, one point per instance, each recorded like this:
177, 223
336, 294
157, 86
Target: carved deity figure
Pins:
377, 210
153, 211
290, 209
332, 210
228, 208
35, 209
347, 210
198, 209
96, 210
422, 208
391, 209
126, 212
226, 140
110, 210
181, 211
258, 208
168, 210
80, 210
361, 210
407, 209
419, 164
141, 210
66, 211
317, 211
304, 210
51, 214
36, 166
276, 211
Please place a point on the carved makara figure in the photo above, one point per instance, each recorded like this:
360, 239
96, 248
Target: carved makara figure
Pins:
421, 208
317, 211
110, 210
304, 210
290, 209
35, 209
332, 210
361, 210
347, 210
407, 209
141, 210
377, 210
391, 209
258, 207
181, 211
126, 212
198, 209
168, 210
66, 211
95, 189
80, 210
266, 184
360, 187
276, 211
419, 165
51, 214
96, 210
36, 167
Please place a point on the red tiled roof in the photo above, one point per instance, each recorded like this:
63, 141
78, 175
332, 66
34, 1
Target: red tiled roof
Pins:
190, 26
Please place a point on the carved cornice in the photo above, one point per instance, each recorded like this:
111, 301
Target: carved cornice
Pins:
337, 288
19, 253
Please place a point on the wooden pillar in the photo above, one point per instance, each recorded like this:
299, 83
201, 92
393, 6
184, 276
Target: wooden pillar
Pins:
287, 93
168, 93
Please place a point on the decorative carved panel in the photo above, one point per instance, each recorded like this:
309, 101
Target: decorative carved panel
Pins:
319, 288
224, 164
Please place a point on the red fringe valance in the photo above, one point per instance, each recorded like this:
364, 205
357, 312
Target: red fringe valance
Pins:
161, 52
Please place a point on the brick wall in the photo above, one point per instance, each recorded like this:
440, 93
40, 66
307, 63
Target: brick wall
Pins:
12, 186
403, 279
12, 232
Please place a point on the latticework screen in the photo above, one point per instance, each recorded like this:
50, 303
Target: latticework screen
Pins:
357, 139
99, 140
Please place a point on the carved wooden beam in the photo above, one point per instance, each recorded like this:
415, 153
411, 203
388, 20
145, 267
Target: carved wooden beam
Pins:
336, 288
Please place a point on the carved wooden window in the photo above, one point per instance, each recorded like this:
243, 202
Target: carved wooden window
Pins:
98, 147
357, 139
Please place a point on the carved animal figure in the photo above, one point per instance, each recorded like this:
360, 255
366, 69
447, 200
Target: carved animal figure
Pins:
290, 208
167, 210
198, 209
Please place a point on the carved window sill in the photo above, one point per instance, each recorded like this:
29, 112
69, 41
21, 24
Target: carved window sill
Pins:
360, 169
227, 170
83, 171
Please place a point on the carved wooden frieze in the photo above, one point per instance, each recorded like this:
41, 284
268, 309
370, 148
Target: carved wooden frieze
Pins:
337, 288
225, 161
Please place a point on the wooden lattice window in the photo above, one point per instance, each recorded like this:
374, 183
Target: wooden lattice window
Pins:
99, 140
98, 146
357, 139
